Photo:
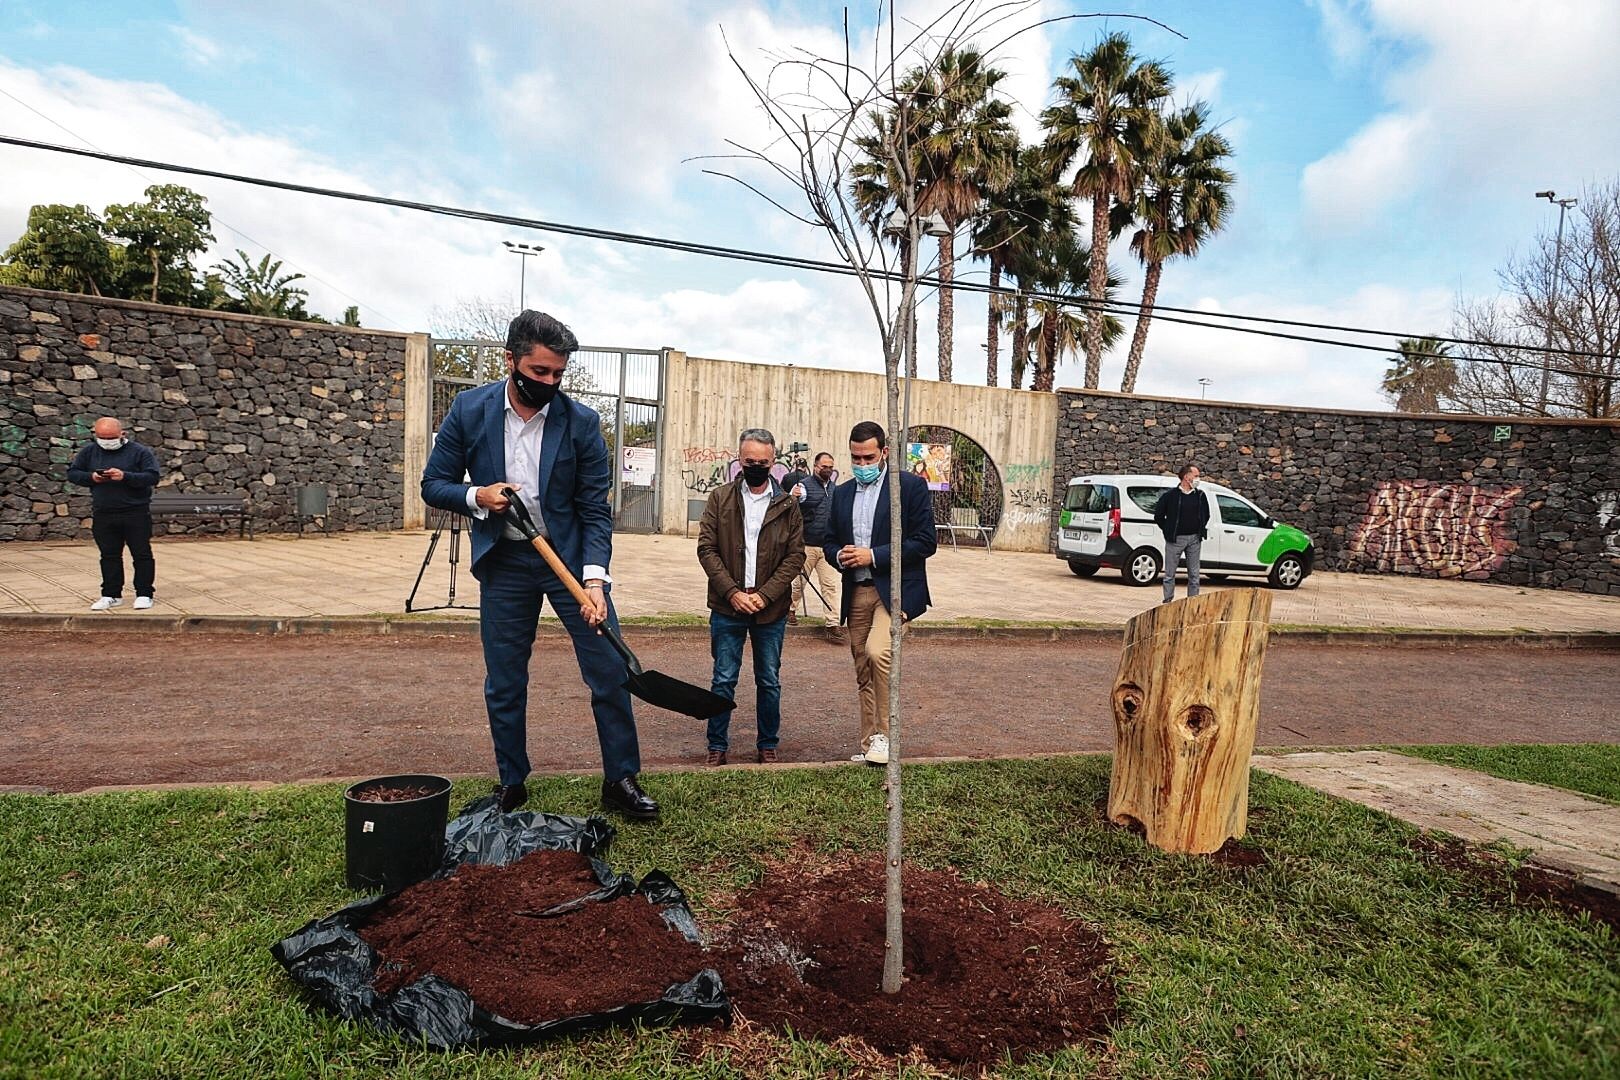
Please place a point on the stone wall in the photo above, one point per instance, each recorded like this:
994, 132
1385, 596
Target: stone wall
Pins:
229, 404
1439, 496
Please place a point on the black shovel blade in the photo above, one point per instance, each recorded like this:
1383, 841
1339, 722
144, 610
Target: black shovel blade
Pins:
656, 688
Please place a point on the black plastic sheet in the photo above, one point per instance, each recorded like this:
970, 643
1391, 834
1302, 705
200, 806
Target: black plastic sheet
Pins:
329, 959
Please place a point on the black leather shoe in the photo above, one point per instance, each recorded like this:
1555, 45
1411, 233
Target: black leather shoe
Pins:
511, 796
626, 797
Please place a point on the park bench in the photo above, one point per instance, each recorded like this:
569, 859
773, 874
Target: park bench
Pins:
170, 504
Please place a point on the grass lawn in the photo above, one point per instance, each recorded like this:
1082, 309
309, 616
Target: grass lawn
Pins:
136, 929
1590, 768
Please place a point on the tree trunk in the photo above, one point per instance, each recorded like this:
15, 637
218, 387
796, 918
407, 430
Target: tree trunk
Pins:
1186, 700
1096, 287
947, 304
992, 337
1020, 338
1046, 354
154, 275
1150, 292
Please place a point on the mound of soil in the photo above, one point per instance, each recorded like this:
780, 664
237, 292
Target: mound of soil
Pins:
468, 929
986, 975
1529, 884
387, 793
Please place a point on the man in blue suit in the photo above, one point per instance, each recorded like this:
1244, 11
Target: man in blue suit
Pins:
522, 433
858, 543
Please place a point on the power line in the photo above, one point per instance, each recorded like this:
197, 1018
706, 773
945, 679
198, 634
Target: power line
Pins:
798, 262
57, 124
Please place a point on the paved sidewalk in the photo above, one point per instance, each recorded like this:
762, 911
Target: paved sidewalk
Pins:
372, 573
1563, 829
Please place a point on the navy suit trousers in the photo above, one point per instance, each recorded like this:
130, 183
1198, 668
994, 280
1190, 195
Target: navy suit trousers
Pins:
513, 581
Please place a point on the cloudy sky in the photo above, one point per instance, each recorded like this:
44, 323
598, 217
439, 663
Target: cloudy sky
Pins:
1386, 150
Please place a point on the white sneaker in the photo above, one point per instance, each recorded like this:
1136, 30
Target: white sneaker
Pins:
877, 750
107, 602
142, 603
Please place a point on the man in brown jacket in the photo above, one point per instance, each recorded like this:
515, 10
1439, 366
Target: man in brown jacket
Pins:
751, 544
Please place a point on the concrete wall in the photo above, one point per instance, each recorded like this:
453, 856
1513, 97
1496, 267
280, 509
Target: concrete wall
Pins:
1435, 495
230, 404
707, 402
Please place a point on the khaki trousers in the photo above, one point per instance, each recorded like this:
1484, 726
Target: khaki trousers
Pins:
869, 643
826, 575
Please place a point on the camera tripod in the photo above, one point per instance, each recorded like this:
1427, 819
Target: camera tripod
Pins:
456, 527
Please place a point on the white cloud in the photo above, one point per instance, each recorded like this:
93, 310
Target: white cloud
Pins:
1490, 100
199, 49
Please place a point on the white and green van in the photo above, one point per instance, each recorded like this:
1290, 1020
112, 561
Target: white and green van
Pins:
1107, 520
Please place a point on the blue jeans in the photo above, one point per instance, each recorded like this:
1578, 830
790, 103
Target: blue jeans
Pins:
726, 636
513, 581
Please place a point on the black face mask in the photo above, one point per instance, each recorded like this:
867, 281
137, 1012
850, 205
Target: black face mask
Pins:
756, 474
532, 392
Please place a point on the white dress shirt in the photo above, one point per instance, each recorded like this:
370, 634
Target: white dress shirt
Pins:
524, 439
754, 507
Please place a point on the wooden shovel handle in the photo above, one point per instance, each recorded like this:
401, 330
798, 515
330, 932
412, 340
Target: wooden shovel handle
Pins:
553, 560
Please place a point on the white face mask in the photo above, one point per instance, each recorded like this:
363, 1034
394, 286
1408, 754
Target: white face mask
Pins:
110, 444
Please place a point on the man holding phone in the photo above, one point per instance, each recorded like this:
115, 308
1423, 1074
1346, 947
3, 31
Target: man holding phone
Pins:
120, 474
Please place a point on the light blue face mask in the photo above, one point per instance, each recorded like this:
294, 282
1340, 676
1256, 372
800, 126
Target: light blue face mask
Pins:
866, 474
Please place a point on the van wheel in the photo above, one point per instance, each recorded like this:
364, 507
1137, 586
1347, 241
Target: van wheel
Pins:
1287, 572
1144, 568
1082, 569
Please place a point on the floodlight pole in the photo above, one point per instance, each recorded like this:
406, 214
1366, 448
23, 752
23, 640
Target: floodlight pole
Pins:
525, 252
1552, 299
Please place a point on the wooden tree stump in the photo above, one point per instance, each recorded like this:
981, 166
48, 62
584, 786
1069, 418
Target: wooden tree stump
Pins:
1186, 700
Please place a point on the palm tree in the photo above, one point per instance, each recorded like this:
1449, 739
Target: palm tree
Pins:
262, 289
876, 197
1420, 375
966, 151
1008, 233
1061, 283
1106, 109
1182, 200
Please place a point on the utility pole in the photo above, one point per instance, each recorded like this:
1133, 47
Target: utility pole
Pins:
1552, 299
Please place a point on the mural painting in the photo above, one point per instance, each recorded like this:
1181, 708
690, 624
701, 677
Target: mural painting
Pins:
1433, 529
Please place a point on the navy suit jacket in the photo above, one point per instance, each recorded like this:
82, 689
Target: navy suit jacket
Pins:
575, 482
917, 541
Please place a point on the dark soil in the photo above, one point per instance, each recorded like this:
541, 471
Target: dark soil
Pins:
385, 793
466, 929
1526, 885
986, 975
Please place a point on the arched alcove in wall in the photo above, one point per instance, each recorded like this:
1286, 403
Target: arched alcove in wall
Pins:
965, 482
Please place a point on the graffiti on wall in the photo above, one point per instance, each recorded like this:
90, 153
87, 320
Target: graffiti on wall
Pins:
1608, 521
709, 467
1025, 472
1435, 529
1028, 506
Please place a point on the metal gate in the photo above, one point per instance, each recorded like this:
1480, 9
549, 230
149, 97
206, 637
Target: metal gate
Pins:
624, 386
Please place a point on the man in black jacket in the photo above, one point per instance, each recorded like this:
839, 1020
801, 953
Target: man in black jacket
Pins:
120, 474
1182, 514
814, 492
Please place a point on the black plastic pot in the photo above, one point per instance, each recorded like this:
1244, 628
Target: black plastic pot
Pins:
389, 845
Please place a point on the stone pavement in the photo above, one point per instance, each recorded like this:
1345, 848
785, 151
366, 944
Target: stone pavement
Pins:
353, 574
1563, 829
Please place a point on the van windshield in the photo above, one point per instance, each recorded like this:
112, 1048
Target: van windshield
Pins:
1089, 498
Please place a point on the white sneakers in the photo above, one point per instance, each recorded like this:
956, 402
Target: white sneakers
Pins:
107, 602
142, 603
877, 750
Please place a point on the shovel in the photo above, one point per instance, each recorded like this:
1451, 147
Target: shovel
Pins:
652, 687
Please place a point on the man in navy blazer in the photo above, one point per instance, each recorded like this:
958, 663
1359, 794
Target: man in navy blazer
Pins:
523, 434
858, 542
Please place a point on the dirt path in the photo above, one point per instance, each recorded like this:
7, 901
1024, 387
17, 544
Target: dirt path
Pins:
82, 710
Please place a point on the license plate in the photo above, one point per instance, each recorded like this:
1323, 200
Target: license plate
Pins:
1074, 534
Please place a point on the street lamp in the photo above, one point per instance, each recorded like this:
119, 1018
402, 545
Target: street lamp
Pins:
1552, 299
523, 251
1203, 388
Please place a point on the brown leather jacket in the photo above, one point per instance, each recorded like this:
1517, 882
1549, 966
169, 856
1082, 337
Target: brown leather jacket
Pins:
721, 550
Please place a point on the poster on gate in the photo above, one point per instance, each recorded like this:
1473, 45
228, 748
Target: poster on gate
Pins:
640, 466
932, 462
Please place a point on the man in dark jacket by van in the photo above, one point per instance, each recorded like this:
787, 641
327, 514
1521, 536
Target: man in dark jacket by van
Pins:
751, 545
120, 474
1182, 514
